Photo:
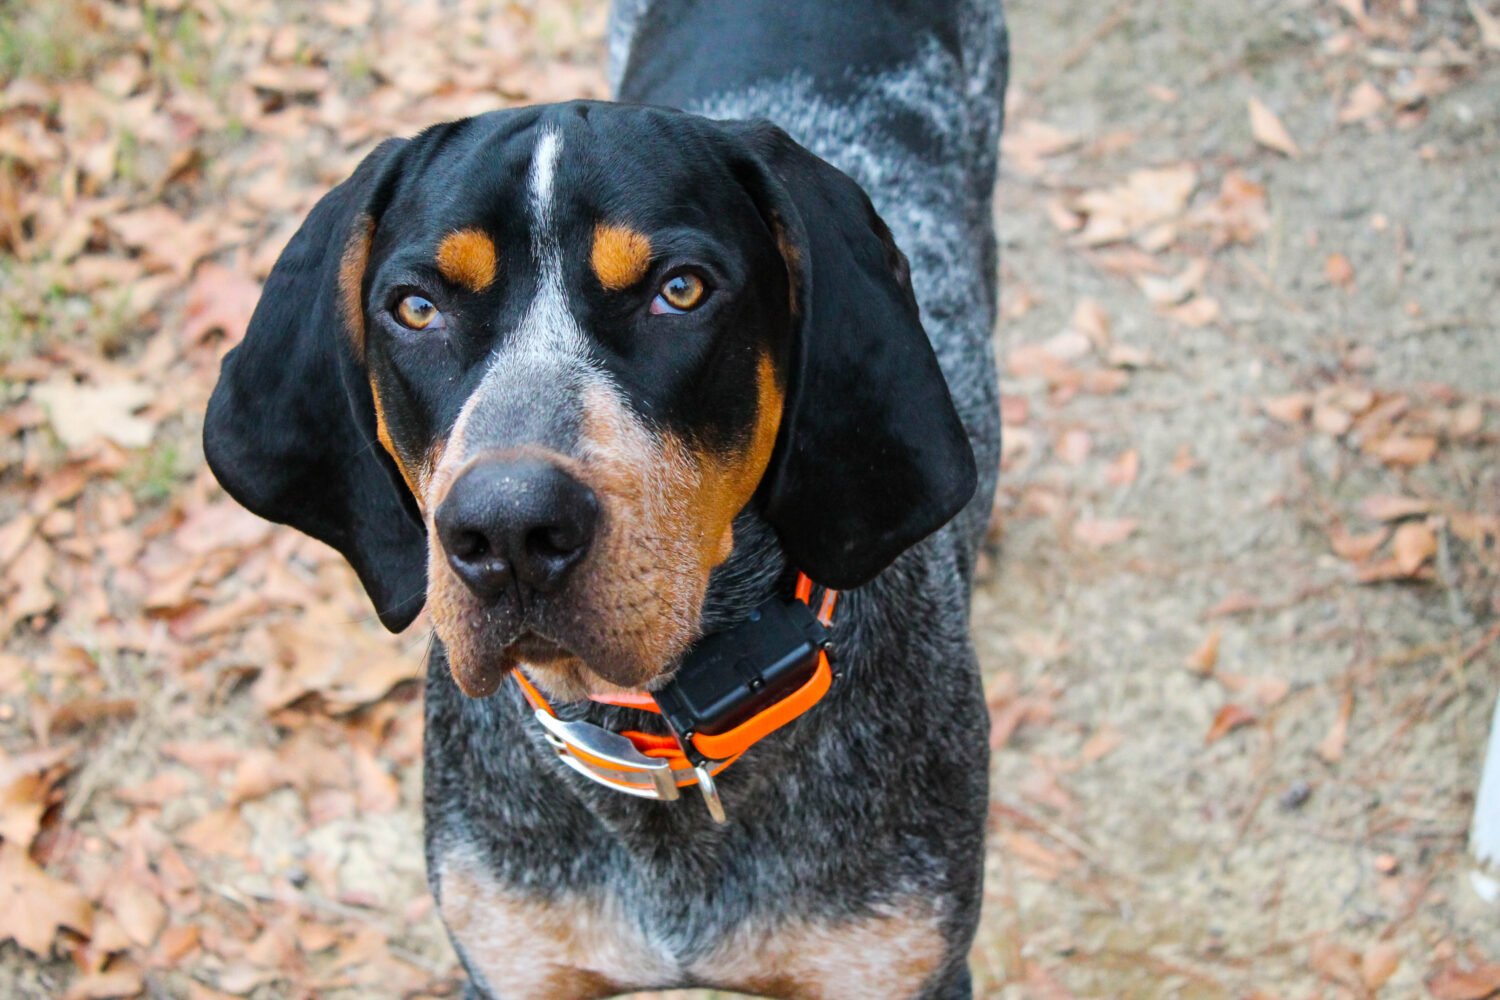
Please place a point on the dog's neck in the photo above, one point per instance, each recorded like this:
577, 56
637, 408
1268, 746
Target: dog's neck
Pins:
755, 571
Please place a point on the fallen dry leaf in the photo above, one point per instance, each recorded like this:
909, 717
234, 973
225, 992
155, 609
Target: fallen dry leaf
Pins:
1127, 356
34, 905
1356, 548
1146, 198
1331, 420
1163, 292
1098, 533
259, 773
1363, 101
219, 299
1063, 217
1070, 345
1202, 659
1228, 719
1239, 213
347, 671
81, 414
1477, 983
1266, 690
1011, 715
1331, 749
1073, 446
1386, 507
1235, 603
1090, 319
26, 783
1388, 570
221, 525
1103, 383
1338, 270
139, 911
1040, 645
27, 579
1290, 409
1413, 545
1466, 420
1489, 25
1029, 141
1401, 449
155, 791
220, 833
1379, 963
375, 789
1104, 741
1268, 130
1336, 962
1041, 862
1197, 312
1124, 468
1036, 361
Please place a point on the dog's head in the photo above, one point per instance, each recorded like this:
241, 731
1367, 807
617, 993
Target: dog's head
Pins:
530, 366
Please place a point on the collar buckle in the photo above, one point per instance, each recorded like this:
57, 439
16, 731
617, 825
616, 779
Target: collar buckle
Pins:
608, 758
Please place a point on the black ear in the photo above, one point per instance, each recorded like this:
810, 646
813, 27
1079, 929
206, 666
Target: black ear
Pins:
871, 456
290, 430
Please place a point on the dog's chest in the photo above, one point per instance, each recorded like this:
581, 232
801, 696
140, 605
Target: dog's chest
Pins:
573, 948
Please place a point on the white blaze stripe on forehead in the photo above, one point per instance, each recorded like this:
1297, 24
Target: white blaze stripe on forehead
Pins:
549, 326
547, 347
543, 169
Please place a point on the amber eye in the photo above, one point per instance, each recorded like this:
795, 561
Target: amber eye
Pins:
418, 313
679, 294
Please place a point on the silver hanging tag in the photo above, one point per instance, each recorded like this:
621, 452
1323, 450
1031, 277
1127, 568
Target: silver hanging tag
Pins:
710, 794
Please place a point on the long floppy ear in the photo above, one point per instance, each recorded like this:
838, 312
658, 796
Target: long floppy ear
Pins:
290, 430
872, 456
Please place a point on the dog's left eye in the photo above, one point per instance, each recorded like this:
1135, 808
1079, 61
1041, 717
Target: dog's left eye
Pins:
679, 294
418, 313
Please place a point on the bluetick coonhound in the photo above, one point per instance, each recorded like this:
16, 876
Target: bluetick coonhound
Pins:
598, 383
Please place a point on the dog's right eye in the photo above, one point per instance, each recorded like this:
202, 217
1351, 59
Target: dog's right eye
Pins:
418, 313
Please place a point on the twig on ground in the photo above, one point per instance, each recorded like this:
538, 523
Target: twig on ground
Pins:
1063, 836
1447, 575
1263, 787
1111, 23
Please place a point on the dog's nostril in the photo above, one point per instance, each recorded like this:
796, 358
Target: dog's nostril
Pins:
551, 541
469, 546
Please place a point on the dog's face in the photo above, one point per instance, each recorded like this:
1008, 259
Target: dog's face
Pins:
584, 338
578, 359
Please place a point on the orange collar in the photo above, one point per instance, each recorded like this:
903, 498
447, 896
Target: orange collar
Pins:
651, 766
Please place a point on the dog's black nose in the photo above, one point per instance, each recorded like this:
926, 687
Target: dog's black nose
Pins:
526, 520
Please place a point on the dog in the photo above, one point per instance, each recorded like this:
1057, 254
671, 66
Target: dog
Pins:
595, 382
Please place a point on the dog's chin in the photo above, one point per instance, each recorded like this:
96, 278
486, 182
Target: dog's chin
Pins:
555, 670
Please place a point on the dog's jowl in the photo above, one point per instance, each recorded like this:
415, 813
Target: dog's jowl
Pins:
679, 415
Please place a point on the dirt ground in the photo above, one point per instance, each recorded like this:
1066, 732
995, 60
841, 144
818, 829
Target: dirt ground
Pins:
1239, 622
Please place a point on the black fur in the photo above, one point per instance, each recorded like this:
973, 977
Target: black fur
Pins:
872, 456
290, 429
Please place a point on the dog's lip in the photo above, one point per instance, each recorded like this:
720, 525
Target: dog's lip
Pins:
534, 648
482, 678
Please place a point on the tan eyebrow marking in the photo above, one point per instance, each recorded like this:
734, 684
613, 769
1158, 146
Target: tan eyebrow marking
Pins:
467, 258
621, 256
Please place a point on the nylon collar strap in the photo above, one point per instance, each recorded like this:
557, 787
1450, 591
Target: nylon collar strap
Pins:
654, 766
